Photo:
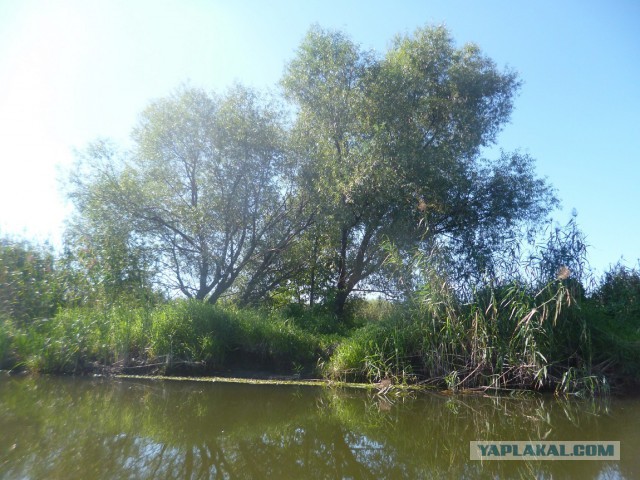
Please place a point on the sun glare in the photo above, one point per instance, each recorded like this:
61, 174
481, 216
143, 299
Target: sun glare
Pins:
35, 97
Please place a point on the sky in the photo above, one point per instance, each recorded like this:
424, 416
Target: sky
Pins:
72, 71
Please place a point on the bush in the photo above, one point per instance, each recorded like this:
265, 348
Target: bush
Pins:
320, 319
223, 336
388, 348
31, 288
506, 337
619, 294
190, 331
272, 340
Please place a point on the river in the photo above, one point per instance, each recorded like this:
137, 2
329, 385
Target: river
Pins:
96, 428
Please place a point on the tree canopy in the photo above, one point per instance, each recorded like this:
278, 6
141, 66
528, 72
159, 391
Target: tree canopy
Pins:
203, 189
229, 196
392, 149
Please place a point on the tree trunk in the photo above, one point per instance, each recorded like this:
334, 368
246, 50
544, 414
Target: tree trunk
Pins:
312, 276
342, 291
340, 301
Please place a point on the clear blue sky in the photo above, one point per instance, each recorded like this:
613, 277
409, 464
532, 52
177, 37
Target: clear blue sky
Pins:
72, 71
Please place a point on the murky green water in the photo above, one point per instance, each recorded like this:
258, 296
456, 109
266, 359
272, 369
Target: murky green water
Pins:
95, 428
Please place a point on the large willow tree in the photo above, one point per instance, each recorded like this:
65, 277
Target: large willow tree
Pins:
392, 153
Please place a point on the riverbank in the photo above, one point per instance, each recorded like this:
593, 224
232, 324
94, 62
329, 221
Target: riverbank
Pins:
383, 388
573, 354
509, 338
537, 329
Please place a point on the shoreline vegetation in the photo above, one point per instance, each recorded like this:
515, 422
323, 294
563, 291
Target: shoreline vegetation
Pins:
349, 229
508, 338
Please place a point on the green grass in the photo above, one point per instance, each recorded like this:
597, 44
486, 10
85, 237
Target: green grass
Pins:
388, 348
179, 334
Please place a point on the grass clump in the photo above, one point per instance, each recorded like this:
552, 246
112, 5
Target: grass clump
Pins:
190, 331
389, 348
79, 338
271, 339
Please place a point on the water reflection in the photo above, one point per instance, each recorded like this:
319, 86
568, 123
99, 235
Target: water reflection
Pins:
93, 428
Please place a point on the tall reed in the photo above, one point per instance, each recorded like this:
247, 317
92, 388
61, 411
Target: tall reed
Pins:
506, 336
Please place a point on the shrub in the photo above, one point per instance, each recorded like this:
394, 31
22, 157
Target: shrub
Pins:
190, 331
619, 294
271, 340
389, 348
31, 287
320, 319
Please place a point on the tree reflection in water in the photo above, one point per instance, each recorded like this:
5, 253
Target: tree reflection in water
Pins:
92, 428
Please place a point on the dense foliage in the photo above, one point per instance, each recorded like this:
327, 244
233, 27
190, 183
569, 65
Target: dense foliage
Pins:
29, 287
242, 232
536, 333
390, 151
227, 196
